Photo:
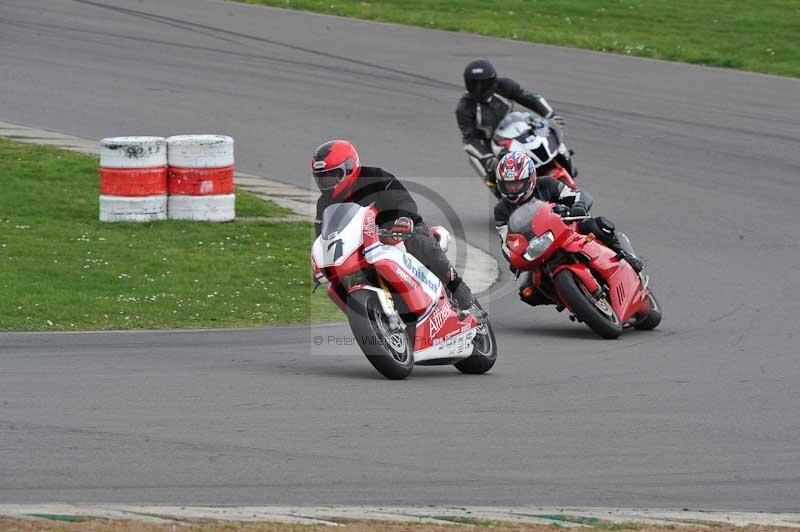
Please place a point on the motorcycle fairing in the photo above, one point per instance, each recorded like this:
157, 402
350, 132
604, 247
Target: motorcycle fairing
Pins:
618, 275
396, 262
341, 234
541, 142
457, 346
440, 334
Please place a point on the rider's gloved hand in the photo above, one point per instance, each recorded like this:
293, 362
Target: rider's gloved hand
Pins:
561, 210
402, 229
559, 120
489, 164
579, 209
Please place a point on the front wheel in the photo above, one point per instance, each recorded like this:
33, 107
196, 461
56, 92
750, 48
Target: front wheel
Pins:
390, 352
594, 312
484, 351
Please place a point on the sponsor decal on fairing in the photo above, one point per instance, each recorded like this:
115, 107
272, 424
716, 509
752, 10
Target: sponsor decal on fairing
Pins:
438, 318
420, 274
405, 277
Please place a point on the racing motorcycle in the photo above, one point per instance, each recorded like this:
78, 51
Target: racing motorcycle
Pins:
400, 314
578, 272
541, 139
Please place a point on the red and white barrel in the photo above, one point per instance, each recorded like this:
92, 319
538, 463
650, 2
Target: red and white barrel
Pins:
200, 178
133, 179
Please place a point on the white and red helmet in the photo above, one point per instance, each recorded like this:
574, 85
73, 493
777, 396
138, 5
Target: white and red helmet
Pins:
335, 167
516, 176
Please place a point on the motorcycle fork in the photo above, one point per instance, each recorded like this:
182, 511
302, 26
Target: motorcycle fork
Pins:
396, 323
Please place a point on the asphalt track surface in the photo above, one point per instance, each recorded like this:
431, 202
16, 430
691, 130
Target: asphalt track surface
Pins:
700, 166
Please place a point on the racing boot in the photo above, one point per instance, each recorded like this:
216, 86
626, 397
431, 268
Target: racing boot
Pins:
618, 243
466, 301
622, 246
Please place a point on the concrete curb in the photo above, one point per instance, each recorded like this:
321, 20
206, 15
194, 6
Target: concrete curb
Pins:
327, 515
480, 271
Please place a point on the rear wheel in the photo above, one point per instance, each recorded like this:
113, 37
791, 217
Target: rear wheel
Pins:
484, 351
391, 352
595, 312
653, 317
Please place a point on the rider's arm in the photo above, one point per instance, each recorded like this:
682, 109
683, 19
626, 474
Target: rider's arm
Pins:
554, 191
318, 218
512, 90
396, 198
501, 215
475, 142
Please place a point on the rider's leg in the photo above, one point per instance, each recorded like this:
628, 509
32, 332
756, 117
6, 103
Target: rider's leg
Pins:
484, 162
605, 231
426, 249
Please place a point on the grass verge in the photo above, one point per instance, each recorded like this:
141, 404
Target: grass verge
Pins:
757, 35
61, 269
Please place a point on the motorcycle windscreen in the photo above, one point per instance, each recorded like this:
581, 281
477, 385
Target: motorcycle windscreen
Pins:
521, 220
512, 126
337, 216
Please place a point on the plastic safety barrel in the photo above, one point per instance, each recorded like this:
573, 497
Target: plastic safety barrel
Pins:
133, 179
200, 178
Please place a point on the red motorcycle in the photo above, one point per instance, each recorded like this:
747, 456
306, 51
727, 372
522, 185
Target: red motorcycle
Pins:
578, 272
399, 312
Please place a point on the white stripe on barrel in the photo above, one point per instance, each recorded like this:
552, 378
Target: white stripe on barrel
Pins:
133, 152
200, 151
133, 209
200, 179
213, 208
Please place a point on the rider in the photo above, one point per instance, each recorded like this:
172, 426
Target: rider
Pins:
341, 178
517, 184
484, 105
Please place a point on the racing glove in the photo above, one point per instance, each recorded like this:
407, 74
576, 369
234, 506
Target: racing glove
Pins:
561, 210
489, 164
401, 230
578, 209
559, 121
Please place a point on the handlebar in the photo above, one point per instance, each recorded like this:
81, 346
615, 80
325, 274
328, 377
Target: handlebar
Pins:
387, 233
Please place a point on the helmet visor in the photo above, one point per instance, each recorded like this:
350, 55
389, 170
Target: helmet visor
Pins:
327, 179
513, 188
480, 88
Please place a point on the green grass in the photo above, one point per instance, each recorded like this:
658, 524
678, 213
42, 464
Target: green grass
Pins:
61, 269
250, 206
758, 35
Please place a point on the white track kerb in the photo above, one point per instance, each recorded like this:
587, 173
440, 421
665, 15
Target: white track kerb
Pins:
328, 515
481, 268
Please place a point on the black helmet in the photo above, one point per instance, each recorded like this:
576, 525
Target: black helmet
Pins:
479, 78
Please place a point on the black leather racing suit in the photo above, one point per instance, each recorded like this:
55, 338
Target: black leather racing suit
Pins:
477, 120
554, 191
392, 200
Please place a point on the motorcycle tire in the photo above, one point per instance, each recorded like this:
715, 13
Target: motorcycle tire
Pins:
484, 352
392, 354
598, 315
653, 317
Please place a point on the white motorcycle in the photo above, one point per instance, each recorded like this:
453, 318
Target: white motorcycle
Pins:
541, 139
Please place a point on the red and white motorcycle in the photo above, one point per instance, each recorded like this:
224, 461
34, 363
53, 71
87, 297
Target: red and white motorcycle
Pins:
541, 139
399, 312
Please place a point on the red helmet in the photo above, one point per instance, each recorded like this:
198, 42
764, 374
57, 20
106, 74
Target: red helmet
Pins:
335, 167
516, 176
